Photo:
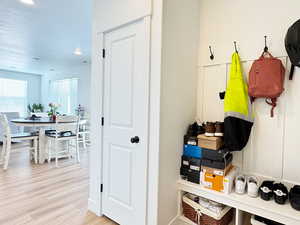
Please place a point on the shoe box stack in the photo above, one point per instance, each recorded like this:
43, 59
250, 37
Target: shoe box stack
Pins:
192, 154
217, 171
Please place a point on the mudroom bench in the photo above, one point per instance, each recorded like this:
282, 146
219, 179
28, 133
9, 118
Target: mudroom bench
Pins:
243, 205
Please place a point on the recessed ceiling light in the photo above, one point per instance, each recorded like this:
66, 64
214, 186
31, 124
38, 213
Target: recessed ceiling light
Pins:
77, 51
28, 2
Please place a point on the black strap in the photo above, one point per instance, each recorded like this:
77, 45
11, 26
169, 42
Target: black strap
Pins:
292, 72
273, 104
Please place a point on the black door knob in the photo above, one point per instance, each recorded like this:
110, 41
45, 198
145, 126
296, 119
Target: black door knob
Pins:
135, 140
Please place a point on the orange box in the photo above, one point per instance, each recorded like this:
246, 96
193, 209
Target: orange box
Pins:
213, 182
222, 184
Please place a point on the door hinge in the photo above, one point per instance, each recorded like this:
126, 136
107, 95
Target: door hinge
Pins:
102, 121
101, 188
103, 53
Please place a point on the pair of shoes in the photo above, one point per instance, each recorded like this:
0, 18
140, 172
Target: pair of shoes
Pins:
195, 129
268, 189
214, 129
252, 185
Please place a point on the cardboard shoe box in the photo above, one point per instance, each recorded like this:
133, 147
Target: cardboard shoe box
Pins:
218, 183
218, 172
190, 168
218, 164
192, 151
213, 143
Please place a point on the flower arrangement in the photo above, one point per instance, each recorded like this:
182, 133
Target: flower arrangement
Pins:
53, 109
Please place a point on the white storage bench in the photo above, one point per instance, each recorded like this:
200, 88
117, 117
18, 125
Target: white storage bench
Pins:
242, 204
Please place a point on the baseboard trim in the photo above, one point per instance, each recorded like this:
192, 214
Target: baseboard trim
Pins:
173, 220
94, 207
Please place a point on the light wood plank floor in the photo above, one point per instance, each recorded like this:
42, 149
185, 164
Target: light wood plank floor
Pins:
44, 195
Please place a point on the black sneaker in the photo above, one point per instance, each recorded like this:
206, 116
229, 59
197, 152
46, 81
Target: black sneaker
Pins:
266, 190
280, 193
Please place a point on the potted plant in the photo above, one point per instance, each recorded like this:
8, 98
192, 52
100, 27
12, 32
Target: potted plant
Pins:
53, 110
35, 108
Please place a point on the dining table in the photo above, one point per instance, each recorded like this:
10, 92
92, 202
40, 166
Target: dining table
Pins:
41, 124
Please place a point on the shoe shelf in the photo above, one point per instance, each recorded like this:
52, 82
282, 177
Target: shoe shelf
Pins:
243, 203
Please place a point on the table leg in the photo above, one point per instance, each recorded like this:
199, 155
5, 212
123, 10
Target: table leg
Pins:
42, 146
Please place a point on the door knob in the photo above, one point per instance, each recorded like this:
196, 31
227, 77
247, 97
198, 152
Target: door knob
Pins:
135, 140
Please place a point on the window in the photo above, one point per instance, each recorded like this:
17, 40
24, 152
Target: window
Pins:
64, 92
13, 96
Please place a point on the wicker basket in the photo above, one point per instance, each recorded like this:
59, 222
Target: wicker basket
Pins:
200, 215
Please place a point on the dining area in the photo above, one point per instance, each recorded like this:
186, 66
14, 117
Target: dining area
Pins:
49, 136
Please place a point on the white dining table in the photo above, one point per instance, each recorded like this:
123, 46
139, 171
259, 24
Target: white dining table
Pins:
41, 125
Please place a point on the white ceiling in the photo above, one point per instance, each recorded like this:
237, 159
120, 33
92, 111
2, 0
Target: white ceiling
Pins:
49, 30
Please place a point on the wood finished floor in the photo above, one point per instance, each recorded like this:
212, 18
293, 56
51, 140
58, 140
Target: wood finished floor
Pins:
45, 195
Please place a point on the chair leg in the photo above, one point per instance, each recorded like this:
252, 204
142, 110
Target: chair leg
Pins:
35, 145
3, 152
77, 150
30, 151
84, 140
7, 155
49, 149
68, 148
56, 153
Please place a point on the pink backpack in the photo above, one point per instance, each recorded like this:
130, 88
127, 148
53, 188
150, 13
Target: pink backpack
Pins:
266, 80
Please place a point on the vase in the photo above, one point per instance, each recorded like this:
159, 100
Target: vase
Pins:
53, 117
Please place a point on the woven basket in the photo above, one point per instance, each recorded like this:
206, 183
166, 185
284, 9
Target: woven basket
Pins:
200, 215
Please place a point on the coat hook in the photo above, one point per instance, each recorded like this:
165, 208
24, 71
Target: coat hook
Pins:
211, 54
235, 47
266, 49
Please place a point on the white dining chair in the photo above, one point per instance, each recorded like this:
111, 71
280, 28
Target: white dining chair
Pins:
9, 137
83, 133
65, 130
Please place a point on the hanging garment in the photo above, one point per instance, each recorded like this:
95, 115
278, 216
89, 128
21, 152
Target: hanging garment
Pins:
292, 45
239, 118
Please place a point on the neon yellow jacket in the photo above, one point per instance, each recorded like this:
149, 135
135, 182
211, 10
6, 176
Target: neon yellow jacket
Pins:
237, 107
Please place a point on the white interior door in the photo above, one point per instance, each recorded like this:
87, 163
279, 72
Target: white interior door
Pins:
125, 141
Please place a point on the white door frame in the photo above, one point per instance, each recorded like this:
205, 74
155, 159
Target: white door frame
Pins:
96, 158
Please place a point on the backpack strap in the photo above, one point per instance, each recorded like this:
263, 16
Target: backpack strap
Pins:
252, 99
292, 72
273, 104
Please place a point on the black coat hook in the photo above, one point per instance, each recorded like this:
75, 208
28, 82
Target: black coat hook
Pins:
235, 48
211, 54
266, 49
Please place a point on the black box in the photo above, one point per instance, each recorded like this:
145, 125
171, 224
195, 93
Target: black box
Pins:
218, 164
190, 168
217, 155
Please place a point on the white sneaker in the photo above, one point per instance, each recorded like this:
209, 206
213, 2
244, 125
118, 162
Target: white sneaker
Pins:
252, 183
240, 184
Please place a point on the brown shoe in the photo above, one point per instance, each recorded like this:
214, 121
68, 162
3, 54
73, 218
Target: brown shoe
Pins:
219, 129
210, 129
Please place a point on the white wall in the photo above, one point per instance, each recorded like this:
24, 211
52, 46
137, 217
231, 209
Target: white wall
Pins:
178, 95
84, 83
33, 82
113, 13
273, 148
